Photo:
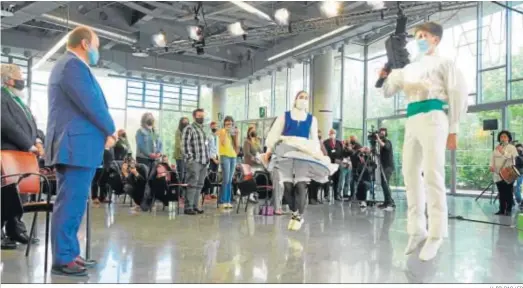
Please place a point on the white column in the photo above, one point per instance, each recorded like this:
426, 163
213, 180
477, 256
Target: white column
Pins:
322, 98
219, 103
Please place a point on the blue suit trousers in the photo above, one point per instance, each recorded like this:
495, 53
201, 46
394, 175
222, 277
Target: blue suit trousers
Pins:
73, 185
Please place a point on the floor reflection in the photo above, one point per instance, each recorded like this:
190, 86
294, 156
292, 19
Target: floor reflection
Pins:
337, 244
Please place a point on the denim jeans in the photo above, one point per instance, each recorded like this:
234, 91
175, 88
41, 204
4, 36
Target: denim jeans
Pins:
344, 181
519, 182
228, 168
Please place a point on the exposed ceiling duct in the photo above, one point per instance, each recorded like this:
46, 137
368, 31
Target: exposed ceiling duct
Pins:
28, 13
64, 22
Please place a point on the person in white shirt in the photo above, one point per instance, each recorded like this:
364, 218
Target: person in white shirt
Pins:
429, 83
503, 156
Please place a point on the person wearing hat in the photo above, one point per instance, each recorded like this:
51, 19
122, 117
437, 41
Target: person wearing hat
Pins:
503, 156
429, 83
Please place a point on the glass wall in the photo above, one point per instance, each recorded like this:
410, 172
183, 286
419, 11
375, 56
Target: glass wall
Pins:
260, 96
352, 106
280, 91
236, 102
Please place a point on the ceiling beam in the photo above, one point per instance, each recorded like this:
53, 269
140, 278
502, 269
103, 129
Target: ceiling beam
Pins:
28, 13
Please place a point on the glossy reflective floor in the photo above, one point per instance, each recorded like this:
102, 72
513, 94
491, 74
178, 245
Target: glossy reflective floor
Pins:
337, 244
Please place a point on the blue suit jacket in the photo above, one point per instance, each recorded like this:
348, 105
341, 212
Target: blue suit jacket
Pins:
79, 121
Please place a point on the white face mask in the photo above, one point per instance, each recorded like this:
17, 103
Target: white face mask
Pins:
332, 136
20, 93
302, 104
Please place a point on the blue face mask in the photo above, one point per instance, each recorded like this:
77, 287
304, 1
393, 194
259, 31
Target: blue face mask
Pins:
423, 46
93, 55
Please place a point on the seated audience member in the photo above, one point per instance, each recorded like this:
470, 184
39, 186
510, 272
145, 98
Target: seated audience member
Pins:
122, 148
100, 184
159, 180
251, 147
19, 133
212, 176
134, 182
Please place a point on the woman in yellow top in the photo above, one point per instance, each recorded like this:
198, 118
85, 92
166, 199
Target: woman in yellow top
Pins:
228, 146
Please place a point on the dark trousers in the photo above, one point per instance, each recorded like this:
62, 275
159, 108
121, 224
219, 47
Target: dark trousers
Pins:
12, 212
314, 188
295, 196
211, 178
506, 196
99, 185
385, 185
363, 187
335, 179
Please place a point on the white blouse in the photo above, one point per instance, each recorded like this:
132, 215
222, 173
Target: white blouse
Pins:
431, 77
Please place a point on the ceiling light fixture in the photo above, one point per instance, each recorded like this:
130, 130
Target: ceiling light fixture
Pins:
376, 5
282, 16
251, 9
236, 29
51, 52
160, 39
312, 41
331, 8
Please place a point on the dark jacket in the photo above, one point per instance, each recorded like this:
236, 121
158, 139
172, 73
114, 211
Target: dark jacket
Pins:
336, 152
18, 132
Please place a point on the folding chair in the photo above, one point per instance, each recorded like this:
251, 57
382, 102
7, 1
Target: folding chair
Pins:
21, 169
178, 187
246, 184
214, 184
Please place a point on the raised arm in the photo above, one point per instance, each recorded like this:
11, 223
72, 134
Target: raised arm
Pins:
393, 84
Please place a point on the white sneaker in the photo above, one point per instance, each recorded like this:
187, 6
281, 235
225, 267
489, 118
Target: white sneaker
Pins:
414, 242
430, 249
297, 223
363, 204
291, 223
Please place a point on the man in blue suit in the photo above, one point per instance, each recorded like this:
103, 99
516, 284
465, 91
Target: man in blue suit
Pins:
79, 127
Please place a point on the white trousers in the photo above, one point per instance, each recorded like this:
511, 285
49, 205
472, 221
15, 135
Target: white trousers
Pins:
424, 151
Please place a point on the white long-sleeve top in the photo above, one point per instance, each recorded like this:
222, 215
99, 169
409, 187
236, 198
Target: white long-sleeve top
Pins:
277, 129
504, 159
431, 77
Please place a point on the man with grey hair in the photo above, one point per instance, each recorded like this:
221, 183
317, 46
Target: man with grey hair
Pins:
19, 133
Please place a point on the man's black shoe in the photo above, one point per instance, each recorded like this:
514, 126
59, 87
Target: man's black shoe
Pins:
190, 212
72, 269
9, 244
85, 263
199, 211
338, 198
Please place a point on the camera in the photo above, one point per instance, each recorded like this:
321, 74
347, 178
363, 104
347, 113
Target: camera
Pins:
372, 136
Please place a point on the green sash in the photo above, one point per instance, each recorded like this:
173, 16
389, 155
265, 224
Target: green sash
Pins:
425, 106
20, 103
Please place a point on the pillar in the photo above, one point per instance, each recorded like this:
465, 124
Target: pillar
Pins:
322, 98
219, 102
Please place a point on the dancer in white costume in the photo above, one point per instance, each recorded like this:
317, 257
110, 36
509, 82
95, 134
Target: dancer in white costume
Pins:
429, 83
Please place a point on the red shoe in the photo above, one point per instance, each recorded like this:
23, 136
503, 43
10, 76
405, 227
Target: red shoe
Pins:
214, 196
85, 263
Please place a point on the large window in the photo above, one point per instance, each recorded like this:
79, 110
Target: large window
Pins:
206, 101
335, 89
280, 91
297, 81
236, 102
377, 105
474, 151
515, 121
260, 96
353, 97
517, 54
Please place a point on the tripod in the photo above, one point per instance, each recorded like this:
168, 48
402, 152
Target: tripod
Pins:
491, 184
374, 158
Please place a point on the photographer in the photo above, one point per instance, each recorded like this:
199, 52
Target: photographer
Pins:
133, 182
387, 163
353, 149
519, 166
